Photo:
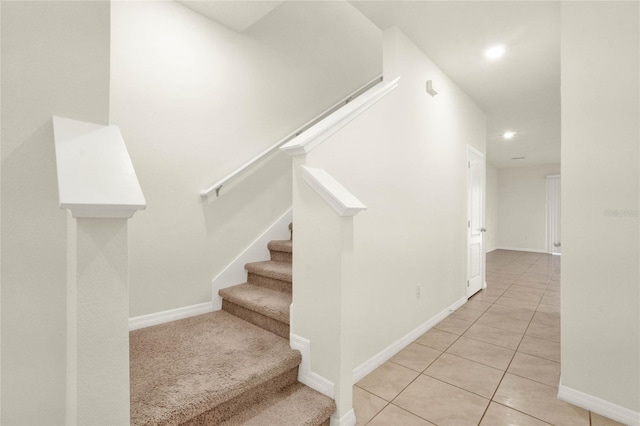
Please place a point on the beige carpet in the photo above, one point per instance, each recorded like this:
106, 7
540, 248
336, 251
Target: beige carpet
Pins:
182, 369
231, 367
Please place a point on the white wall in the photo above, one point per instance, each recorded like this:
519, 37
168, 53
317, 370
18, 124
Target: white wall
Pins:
55, 60
405, 159
600, 190
491, 209
195, 101
522, 207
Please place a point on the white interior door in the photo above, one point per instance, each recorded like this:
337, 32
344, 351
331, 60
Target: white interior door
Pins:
475, 221
553, 215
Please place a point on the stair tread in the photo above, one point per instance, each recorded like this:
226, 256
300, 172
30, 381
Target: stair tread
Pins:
186, 367
271, 269
285, 246
271, 303
296, 405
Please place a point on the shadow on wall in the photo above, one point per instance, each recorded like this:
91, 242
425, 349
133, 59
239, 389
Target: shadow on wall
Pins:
33, 264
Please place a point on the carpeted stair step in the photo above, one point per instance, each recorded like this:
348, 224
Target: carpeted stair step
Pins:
281, 250
296, 405
261, 306
205, 369
270, 274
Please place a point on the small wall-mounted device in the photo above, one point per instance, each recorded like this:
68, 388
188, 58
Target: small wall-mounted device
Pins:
430, 89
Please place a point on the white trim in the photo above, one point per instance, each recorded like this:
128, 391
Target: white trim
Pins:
598, 405
330, 190
383, 356
235, 273
348, 419
522, 249
96, 178
143, 321
321, 131
475, 151
305, 375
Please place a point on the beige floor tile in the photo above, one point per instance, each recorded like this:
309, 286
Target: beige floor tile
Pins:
550, 300
517, 303
598, 420
548, 308
478, 305
499, 415
548, 319
393, 415
535, 279
366, 405
538, 400
495, 336
437, 339
502, 322
510, 275
525, 294
540, 348
484, 353
388, 380
442, 403
468, 375
511, 312
536, 369
416, 357
453, 325
488, 296
545, 332
466, 314
529, 284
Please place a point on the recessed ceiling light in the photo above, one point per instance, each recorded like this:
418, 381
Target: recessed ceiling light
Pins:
517, 158
495, 52
509, 135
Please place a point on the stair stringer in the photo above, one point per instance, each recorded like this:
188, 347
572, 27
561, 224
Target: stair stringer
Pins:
257, 251
316, 381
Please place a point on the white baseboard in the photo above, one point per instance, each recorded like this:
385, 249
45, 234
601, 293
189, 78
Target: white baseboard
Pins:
522, 249
171, 315
257, 251
598, 405
348, 419
383, 356
305, 375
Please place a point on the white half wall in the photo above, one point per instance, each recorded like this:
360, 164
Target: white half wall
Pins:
522, 207
55, 60
600, 201
405, 159
194, 101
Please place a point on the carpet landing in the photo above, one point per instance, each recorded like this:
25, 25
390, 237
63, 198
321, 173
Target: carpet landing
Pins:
230, 367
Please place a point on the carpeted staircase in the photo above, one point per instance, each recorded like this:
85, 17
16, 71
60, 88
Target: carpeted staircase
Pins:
230, 367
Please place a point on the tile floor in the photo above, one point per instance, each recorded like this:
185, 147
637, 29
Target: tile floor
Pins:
494, 361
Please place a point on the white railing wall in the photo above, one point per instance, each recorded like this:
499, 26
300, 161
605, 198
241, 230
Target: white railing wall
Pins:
98, 184
322, 322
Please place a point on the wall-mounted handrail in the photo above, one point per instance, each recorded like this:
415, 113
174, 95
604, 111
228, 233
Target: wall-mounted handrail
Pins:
216, 187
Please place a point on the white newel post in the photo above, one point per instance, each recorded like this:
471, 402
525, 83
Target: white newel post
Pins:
97, 183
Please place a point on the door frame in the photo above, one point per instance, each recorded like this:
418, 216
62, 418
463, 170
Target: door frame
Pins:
553, 208
483, 262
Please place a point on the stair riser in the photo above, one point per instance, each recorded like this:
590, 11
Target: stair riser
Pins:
247, 399
280, 256
276, 327
267, 282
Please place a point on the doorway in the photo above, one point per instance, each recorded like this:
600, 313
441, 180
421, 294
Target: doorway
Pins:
475, 221
553, 215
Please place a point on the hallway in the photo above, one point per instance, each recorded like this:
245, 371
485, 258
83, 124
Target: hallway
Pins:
495, 361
